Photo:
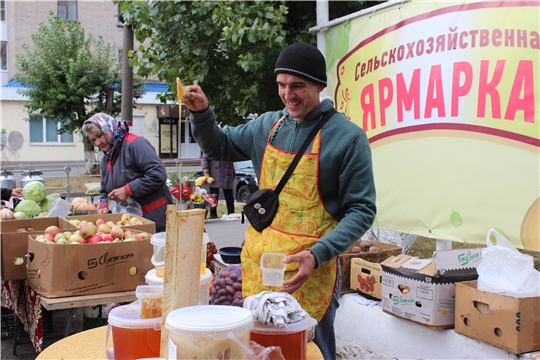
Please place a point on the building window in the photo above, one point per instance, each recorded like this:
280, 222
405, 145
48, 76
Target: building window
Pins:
3, 55
45, 130
2, 10
67, 10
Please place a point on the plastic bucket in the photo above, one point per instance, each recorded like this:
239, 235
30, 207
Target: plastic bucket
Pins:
205, 241
204, 291
159, 267
208, 332
152, 278
292, 340
158, 241
133, 337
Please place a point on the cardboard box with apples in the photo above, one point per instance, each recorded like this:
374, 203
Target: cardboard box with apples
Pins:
59, 268
14, 242
423, 290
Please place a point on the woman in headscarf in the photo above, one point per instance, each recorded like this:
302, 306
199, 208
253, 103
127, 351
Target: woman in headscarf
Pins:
130, 168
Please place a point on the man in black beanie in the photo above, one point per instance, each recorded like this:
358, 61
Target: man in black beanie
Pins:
328, 202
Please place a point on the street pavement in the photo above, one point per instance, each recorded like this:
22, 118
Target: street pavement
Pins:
222, 233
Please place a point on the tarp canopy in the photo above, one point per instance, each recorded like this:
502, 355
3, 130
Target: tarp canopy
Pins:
448, 94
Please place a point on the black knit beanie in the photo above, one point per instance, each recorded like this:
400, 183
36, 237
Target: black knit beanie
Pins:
304, 60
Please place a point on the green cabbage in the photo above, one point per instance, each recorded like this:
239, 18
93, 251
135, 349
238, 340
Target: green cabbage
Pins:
28, 207
46, 204
35, 191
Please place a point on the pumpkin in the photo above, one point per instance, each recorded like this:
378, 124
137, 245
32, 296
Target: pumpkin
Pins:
82, 204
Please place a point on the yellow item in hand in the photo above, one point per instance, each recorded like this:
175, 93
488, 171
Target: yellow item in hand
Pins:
200, 180
210, 180
179, 90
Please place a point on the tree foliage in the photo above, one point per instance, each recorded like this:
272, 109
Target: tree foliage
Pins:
70, 76
227, 47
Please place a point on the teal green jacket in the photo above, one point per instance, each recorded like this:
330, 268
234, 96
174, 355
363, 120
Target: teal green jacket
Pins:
345, 178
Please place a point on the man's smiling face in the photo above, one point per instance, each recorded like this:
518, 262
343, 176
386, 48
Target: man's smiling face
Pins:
299, 95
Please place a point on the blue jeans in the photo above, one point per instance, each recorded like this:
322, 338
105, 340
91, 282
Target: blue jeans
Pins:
325, 338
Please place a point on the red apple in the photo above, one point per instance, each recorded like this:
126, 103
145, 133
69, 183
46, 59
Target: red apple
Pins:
53, 230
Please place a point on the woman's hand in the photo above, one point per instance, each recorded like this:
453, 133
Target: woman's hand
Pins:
118, 195
195, 99
306, 263
17, 192
104, 210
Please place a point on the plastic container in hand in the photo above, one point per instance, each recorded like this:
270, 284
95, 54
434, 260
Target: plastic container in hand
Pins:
273, 269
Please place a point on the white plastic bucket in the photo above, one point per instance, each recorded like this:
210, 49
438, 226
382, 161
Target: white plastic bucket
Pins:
158, 241
206, 331
204, 290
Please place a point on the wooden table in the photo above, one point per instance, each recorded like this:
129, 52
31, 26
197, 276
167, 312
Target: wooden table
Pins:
90, 345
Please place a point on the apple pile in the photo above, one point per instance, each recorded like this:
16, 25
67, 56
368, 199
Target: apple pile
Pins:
90, 233
125, 220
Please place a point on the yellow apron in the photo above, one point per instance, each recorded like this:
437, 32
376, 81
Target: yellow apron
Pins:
300, 221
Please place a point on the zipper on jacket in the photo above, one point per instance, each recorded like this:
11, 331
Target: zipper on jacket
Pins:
292, 138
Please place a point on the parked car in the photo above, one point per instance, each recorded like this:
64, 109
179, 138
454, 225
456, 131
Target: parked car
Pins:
245, 183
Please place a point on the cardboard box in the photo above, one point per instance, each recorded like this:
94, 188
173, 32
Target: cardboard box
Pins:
366, 277
510, 323
57, 270
423, 290
147, 226
386, 251
14, 242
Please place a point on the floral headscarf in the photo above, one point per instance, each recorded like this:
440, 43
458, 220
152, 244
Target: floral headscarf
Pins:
113, 130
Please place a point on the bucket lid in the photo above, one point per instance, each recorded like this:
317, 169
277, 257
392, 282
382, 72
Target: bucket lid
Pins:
216, 321
304, 324
152, 279
158, 238
129, 316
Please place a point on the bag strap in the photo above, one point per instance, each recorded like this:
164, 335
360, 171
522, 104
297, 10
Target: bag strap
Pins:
303, 148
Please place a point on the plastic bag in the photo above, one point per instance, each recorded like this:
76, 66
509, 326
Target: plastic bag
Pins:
265, 353
227, 287
60, 208
130, 205
504, 270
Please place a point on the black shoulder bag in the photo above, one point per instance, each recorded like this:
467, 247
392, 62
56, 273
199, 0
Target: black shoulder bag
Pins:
262, 206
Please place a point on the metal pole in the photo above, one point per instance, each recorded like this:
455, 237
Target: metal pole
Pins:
322, 18
127, 76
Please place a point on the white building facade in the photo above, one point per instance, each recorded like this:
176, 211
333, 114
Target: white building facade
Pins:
33, 143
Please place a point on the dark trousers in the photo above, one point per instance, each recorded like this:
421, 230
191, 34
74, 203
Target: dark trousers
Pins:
229, 199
